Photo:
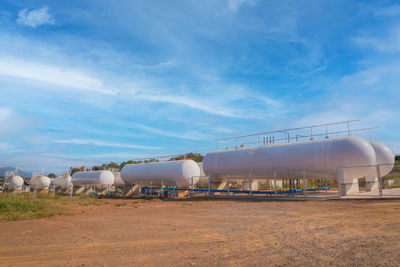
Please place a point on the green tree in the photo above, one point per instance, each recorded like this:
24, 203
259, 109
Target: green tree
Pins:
74, 170
194, 156
52, 175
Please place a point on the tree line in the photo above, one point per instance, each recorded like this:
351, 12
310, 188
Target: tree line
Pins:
112, 165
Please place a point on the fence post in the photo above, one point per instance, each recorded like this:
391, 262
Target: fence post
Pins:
304, 184
378, 172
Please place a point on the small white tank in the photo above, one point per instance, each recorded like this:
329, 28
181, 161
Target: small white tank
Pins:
14, 181
178, 172
63, 181
40, 182
93, 178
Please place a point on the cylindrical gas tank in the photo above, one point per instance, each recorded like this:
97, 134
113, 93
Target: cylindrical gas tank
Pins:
15, 182
63, 182
180, 172
318, 158
203, 180
93, 178
384, 158
118, 179
40, 182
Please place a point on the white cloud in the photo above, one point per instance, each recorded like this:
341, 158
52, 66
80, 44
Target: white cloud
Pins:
379, 78
190, 136
35, 162
35, 17
194, 102
56, 75
234, 5
6, 147
100, 143
390, 11
389, 43
5, 114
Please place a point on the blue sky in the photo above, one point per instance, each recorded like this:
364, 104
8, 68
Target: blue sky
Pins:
88, 82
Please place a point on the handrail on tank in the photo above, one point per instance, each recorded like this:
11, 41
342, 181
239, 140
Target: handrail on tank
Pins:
286, 130
313, 135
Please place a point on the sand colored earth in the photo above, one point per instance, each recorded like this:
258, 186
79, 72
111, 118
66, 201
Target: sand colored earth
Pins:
209, 233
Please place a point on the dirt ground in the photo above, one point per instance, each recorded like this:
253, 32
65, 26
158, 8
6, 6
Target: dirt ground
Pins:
209, 233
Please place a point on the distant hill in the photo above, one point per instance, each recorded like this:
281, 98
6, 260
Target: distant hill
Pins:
3, 171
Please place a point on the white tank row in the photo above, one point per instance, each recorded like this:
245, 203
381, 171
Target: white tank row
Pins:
353, 157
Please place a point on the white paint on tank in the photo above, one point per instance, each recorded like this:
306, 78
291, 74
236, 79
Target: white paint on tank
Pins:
63, 182
39, 182
203, 180
14, 181
170, 172
384, 156
93, 178
118, 179
318, 158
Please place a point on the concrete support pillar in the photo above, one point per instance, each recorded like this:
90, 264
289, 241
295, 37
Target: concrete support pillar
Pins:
371, 184
275, 189
347, 187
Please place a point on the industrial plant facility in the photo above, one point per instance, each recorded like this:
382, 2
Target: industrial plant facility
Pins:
314, 165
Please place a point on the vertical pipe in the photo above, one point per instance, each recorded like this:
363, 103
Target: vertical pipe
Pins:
175, 189
228, 184
209, 184
348, 128
276, 191
250, 187
378, 171
304, 184
192, 188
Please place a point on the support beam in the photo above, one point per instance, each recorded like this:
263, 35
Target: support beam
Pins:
378, 172
250, 186
304, 184
275, 189
228, 184
347, 187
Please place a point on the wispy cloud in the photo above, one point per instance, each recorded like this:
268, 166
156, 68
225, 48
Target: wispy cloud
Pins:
52, 74
36, 17
234, 5
101, 143
388, 43
190, 136
390, 11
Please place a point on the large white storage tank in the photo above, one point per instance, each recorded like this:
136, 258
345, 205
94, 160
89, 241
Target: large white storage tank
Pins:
63, 181
93, 178
318, 158
40, 182
14, 182
170, 173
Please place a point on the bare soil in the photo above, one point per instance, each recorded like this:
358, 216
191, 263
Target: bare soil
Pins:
209, 233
